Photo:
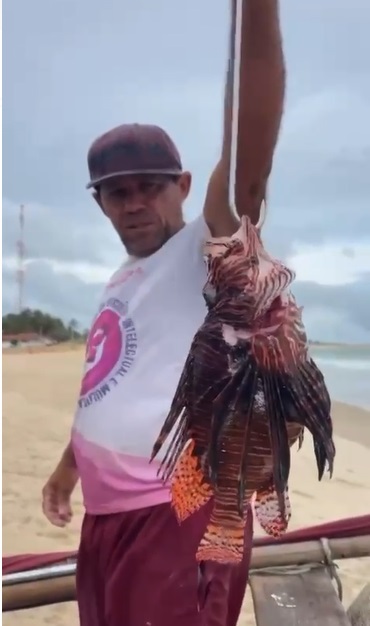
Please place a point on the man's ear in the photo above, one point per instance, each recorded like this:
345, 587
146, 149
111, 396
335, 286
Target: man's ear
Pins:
185, 184
97, 198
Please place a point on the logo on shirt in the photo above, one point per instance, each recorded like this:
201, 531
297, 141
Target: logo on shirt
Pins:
110, 351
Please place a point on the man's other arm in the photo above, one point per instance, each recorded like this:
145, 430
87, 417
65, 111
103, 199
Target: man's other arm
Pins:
261, 100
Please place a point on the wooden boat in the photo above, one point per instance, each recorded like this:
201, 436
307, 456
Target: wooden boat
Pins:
291, 579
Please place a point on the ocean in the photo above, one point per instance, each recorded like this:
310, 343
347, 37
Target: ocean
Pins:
347, 372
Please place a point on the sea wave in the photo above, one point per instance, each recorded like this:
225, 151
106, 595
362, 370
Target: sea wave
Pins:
348, 364
346, 372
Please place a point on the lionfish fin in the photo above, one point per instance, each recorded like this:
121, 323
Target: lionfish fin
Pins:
278, 431
246, 410
189, 490
224, 544
300, 439
177, 408
312, 402
273, 513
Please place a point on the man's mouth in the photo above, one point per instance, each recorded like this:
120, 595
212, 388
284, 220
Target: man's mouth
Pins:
137, 229
138, 226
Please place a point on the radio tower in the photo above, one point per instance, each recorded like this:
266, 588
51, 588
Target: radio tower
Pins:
20, 256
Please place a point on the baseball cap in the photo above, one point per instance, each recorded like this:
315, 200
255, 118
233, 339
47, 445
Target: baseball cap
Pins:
132, 149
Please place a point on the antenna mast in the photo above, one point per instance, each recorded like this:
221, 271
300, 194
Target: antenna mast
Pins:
20, 257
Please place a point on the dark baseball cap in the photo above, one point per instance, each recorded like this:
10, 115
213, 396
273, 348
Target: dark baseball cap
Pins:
132, 149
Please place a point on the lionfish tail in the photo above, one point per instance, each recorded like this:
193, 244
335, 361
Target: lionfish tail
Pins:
189, 490
273, 514
223, 544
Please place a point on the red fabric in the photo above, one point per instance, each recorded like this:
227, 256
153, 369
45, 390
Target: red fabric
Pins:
340, 529
139, 568
26, 562
350, 527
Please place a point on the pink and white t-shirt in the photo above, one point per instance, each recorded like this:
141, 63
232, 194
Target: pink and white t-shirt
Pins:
136, 350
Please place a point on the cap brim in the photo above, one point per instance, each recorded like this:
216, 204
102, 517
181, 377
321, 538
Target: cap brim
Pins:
98, 181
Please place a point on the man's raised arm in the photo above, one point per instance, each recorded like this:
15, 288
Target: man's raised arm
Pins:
261, 100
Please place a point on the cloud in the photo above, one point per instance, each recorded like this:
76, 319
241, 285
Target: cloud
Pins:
338, 313
60, 293
73, 69
331, 264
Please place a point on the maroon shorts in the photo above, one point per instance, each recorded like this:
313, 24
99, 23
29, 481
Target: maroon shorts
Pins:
139, 569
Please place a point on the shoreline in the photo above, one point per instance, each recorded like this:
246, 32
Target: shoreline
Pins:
344, 415
342, 346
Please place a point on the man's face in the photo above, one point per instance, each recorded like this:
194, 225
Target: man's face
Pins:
145, 210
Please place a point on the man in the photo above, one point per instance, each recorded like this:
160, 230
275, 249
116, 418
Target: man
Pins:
136, 564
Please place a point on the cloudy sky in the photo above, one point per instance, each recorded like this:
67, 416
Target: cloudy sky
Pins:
73, 69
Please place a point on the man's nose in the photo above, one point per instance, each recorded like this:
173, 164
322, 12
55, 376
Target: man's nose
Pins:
134, 202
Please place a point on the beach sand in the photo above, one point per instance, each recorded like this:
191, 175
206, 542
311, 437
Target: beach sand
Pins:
39, 393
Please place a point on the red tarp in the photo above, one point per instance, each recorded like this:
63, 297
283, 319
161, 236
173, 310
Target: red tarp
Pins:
25, 562
350, 527
340, 529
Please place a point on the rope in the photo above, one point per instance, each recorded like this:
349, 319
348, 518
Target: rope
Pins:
235, 64
295, 570
331, 567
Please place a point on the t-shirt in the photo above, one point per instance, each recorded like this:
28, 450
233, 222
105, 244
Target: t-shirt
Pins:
136, 350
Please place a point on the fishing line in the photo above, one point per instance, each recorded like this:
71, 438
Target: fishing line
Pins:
235, 63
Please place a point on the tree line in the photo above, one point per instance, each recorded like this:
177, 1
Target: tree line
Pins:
44, 324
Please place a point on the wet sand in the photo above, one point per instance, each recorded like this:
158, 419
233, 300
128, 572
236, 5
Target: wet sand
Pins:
39, 393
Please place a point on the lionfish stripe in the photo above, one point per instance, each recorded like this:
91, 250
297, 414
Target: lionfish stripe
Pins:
222, 543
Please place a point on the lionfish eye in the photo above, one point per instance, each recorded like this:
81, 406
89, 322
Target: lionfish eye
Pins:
229, 250
209, 294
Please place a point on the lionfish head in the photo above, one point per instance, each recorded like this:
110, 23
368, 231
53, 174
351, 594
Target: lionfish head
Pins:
233, 262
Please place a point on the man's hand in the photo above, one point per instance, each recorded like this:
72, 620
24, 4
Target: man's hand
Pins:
261, 99
56, 494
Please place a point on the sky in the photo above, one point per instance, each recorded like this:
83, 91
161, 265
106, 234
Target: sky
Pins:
73, 70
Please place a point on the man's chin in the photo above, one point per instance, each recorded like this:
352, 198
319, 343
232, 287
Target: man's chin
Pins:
144, 250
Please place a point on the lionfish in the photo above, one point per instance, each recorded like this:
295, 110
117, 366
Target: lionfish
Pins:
247, 391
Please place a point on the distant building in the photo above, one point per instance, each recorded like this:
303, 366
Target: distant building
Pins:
28, 340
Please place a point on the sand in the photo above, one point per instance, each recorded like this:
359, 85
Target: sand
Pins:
39, 392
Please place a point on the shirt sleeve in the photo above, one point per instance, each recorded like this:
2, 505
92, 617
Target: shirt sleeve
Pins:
199, 231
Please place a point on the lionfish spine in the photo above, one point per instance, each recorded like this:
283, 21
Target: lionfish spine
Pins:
176, 408
278, 432
309, 403
174, 449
